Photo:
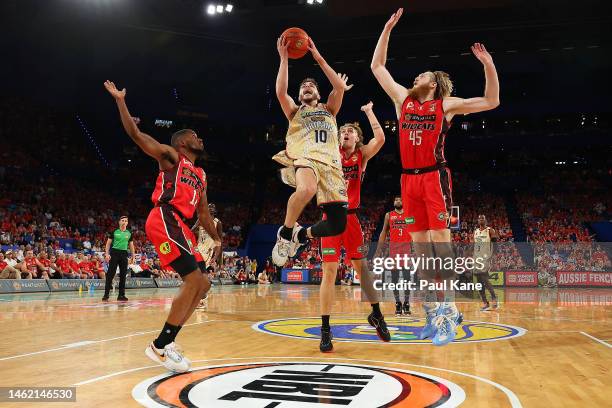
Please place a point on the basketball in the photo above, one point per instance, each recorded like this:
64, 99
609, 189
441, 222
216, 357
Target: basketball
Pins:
298, 42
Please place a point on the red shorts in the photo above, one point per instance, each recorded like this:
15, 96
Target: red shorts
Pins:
399, 248
351, 239
427, 200
174, 242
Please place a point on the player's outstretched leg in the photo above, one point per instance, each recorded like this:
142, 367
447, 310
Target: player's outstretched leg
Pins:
371, 295
327, 299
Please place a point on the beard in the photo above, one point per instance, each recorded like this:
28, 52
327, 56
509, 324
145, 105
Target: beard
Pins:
197, 151
398, 207
309, 98
417, 91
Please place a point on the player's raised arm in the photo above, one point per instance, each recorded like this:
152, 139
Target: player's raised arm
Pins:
206, 221
377, 142
395, 91
148, 145
490, 99
382, 237
334, 101
282, 80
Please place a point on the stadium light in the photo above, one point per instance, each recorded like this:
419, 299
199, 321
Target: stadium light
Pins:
310, 1
219, 9
210, 9
213, 9
229, 8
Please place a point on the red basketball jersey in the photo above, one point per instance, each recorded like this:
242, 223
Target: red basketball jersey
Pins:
353, 174
181, 187
397, 227
422, 130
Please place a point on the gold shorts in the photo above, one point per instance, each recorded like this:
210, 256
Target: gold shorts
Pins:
331, 186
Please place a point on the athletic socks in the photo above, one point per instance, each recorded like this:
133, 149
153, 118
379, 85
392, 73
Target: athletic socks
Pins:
167, 335
325, 323
376, 310
286, 233
302, 236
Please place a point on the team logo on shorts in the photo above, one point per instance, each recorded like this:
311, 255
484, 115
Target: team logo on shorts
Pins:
298, 385
442, 216
402, 330
409, 220
329, 251
165, 248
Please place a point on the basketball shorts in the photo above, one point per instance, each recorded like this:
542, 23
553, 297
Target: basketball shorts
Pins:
399, 248
427, 200
351, 239
174, 242
331, 186
482, 264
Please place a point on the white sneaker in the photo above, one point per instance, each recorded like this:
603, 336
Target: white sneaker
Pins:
295, 243
280, 252
203, 304
170, 357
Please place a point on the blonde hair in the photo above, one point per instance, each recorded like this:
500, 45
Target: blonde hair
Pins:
354, 125
444, 84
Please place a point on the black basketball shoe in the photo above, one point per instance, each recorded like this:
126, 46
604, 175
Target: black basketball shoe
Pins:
381, 327
407, 308
398, 309
326, 344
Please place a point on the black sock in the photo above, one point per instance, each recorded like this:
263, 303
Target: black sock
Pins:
376, 310
286, 233
166, 336
325, 323
302, 237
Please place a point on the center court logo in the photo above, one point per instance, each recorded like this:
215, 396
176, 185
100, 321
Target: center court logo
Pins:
298, 385
402, 330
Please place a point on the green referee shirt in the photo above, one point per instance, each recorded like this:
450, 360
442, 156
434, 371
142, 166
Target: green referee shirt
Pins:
121, 239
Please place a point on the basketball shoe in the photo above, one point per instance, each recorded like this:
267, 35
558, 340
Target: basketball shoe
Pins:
326, 344
446, 321
381, 327
171, 357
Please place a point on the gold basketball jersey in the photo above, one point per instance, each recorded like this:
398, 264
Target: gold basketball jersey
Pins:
313, 134
482, 242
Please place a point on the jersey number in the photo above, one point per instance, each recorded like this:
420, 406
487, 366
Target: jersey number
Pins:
193, 200
320, 136
415, 136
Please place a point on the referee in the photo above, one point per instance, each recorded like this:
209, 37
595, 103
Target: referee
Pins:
116, 254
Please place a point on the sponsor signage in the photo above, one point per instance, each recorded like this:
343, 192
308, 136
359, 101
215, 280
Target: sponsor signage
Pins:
290, 275
168, 283
225, 281
61, 285
496, 278
587, 278
136, 283
23, 285
521, 278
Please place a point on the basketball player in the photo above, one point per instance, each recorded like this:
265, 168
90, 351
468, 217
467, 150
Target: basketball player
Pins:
399, 243
425, 112
180, 191
206, 248
312, 158
116, 254
484, 237
355, 156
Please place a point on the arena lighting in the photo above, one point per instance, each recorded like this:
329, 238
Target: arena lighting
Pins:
213, 9
210, 9
229, 8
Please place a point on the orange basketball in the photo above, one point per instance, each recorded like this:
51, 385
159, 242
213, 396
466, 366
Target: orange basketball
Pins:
298, 42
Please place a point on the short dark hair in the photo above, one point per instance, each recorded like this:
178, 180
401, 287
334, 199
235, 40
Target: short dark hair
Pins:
314, 81
122, 217
178, 135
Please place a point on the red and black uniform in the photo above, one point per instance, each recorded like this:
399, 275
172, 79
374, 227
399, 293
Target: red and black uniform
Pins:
426, 181
176, 197
399, 237
352, 237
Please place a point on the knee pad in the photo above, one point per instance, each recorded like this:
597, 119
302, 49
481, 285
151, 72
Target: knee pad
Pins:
335, 221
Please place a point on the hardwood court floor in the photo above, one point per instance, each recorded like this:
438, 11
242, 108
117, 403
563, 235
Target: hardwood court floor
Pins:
563, 358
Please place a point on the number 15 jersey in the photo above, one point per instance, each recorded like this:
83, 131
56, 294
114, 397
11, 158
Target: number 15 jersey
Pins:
313, 134
422, 131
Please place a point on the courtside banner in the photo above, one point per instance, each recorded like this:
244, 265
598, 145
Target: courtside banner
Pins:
586, 279
496, 278
62, 285
522, 278
290, 275
136, 283
168, 283
23, 285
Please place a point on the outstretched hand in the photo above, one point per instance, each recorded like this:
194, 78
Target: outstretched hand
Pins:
313, 50
367, 107
482, 54
112, 89
282, 45
394, 19
344, 79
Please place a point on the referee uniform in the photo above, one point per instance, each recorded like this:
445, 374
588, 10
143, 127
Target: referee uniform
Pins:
120, 238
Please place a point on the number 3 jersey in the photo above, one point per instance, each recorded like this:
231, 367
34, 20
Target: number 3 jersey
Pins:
313, 134
181, 187
422, 130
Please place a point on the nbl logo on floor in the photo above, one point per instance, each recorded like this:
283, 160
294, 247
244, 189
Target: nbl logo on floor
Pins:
298, 385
